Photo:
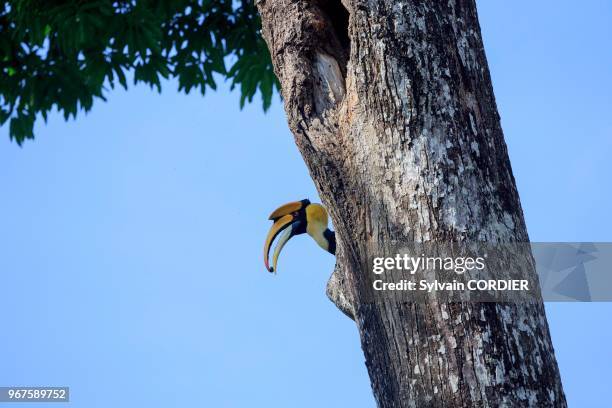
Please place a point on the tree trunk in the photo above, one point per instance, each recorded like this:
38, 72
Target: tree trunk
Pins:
392, 107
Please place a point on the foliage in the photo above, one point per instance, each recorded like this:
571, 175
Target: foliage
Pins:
65, 54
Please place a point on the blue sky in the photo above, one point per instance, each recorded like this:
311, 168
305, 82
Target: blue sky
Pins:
130, 239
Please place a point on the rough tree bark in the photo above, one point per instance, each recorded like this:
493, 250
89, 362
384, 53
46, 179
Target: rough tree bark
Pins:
392, 107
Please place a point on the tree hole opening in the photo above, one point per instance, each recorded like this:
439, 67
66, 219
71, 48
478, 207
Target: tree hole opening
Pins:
338, 16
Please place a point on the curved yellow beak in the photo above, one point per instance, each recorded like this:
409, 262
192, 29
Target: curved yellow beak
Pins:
282, 223
289, 215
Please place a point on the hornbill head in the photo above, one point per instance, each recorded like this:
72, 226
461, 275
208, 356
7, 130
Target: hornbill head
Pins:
296, 218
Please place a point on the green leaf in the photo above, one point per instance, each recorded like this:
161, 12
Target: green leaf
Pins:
62, 54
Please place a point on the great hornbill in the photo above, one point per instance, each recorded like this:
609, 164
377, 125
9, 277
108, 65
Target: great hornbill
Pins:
297, 218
